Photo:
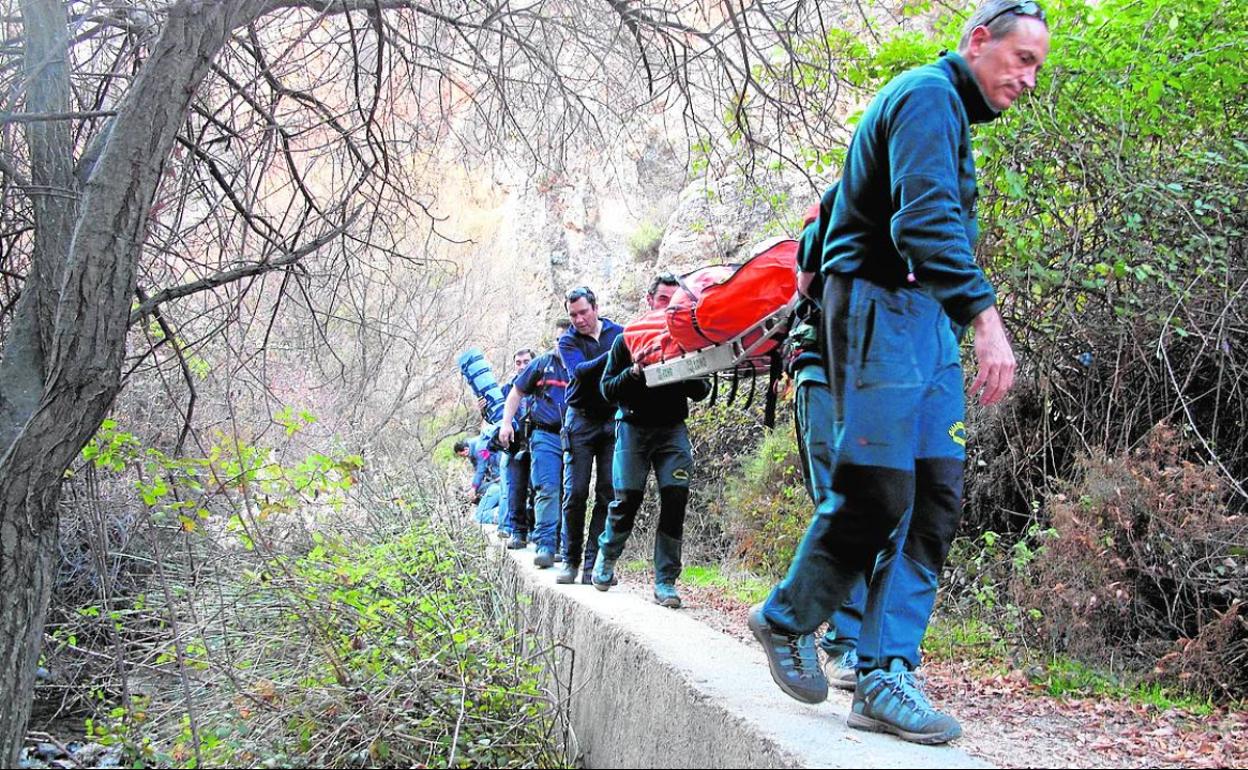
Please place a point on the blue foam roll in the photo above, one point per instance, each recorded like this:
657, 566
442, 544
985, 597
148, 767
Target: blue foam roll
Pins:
480, 377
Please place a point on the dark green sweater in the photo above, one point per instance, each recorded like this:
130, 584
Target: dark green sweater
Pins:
643, 405
906, 202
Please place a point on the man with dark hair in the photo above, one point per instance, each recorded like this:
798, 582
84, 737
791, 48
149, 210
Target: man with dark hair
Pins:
650, 433
544, 383
515, 467
588, 431
662, 288
900, 274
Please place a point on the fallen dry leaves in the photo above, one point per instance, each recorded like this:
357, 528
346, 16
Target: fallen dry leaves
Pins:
1011, 722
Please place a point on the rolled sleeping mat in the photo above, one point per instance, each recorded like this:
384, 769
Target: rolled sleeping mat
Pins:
480, 377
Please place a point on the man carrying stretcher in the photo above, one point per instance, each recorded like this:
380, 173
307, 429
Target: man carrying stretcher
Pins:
650, 433
899, 273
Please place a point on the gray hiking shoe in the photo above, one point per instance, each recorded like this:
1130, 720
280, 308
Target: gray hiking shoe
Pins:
792, 659
566, 575
892, 701
666, 595
545, 557
516, 542
841, 669
603, 576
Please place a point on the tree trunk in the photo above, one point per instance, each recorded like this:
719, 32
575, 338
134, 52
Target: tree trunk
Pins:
61, 369
26, 568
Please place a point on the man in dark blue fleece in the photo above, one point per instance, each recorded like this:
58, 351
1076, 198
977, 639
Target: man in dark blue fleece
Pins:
544, 382
650, 432
900, 274
588, 431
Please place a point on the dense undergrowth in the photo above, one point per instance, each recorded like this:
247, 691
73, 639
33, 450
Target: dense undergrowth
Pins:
256, 610
1105, 504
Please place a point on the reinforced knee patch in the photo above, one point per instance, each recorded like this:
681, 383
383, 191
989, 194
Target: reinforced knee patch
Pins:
627, 503
673, 502
937, 511
872, 502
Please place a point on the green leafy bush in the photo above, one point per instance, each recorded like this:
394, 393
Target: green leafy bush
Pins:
770, 506
644, 242
722, 436
405, 664
319, 622
1113, 217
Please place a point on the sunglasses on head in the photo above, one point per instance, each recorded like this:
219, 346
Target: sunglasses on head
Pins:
1029, 8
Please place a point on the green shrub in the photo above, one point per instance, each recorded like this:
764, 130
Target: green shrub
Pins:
771, 507
317, 625
398, 659
644, 242
722, 436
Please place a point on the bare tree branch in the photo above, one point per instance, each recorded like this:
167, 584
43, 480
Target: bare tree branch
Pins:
246, 271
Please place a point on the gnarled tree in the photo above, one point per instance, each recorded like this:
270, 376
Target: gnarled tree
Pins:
150, 151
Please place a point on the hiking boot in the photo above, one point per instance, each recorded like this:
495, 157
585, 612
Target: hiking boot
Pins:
792, 659
665, 594
502, 533
516, 543
588, 578
841, 669
603, 576
545, 557
891, 701
566, 575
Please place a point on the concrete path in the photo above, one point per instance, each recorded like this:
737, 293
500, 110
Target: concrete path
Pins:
651, 687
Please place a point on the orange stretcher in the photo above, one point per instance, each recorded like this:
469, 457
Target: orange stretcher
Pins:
723, 318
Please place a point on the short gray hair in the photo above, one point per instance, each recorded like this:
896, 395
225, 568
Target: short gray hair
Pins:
1002, 25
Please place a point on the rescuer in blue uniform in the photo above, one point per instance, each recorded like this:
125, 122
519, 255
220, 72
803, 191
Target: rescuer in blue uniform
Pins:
650, 433
588, 431
900, 275
817, 435
515, 466
544, 382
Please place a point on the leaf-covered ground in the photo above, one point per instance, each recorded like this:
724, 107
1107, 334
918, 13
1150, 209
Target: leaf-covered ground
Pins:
1011, 722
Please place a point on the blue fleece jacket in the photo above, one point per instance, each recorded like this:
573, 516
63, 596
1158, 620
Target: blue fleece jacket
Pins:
639, 404
544, 383
907, 194
585, 358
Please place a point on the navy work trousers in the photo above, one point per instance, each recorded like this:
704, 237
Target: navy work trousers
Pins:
896, 381
546, 476
587, 442
516, 516
817, 438
638, 448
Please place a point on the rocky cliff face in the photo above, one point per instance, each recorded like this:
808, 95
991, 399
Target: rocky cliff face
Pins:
608, 220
